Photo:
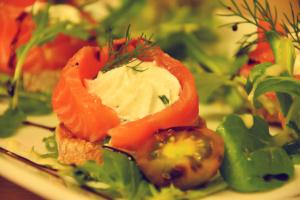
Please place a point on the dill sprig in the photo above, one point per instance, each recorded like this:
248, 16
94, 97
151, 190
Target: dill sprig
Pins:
292, 28
120, 56
261, 12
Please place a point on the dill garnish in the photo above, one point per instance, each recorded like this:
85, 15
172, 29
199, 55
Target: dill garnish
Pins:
262, 12
120, 56
164, 99
137, 68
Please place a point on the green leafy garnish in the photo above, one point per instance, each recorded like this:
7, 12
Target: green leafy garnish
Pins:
287, 85
10, 121
283, 50
164, 99
296, 159
253, 14
35, 103
208, 83
251, 162
293, 116
117, 177
51, 146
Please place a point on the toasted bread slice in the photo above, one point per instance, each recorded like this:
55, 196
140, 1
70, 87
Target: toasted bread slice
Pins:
73, 150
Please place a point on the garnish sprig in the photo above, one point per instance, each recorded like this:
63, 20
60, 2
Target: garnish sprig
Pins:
120, 57
292, 28
262, 12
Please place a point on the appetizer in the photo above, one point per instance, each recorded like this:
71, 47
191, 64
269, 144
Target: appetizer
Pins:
148, 106
129, 124
44, 60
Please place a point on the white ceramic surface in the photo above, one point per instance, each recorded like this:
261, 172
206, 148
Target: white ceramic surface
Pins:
52, 188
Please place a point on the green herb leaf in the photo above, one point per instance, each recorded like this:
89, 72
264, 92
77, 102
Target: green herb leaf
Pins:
35, 103
117, 177
259, 71
164, 99
283, 50
251, 163
51, 146
10, 121
208, 83
292, 147
293, 116
287, 85
296, 159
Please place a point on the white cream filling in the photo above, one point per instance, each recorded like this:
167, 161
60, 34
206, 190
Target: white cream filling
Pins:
135, 90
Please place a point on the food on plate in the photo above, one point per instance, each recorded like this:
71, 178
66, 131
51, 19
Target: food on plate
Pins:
129, 124
185, 157
45, 60
139, 104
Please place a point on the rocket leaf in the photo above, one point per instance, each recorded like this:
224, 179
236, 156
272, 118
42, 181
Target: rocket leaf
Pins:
251, 162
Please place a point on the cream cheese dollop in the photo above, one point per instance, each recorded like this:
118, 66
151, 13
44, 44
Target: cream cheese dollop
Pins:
135, 90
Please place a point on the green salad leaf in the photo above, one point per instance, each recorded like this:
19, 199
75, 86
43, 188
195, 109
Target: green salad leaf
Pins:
292, 147
283, 50
251, 163
118, 177
35, 103
259, 71
293, 116
296, 159
51, 146
287, 85
207, 84
10, 121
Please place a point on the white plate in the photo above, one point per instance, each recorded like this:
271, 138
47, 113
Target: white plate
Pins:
51, 187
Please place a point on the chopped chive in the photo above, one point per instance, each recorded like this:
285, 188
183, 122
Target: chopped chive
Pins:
164, 99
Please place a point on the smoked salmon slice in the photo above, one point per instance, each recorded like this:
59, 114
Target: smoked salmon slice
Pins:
89, 119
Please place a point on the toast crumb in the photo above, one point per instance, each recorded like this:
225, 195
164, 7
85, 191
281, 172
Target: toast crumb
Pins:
76, 151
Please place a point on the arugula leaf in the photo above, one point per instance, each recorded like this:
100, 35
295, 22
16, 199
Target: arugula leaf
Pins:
208, 83
287, 85
296, 159
10, 121
35, 103
285, 101
170, 193
251, 163
117, 177
51, 146
283, 49
259, 71
292, 147
293, 116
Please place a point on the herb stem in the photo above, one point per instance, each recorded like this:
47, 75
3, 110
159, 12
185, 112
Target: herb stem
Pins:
18, 72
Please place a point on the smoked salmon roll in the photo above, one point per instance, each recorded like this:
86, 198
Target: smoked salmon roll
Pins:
87, 116
145, 103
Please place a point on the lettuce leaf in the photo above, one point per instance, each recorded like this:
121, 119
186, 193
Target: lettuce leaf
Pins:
117, 177
251, 162
10, 121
